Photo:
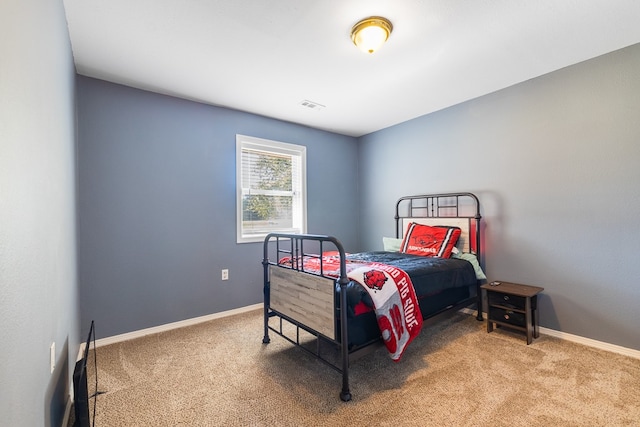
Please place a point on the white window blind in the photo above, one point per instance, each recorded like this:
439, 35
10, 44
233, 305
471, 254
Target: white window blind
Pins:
271, 181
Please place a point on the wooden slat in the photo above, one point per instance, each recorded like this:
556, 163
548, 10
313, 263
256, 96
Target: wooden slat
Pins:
304, 297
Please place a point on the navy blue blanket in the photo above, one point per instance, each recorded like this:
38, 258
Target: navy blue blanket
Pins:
429, 275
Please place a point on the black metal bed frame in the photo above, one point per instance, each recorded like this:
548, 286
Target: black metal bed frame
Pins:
445, 205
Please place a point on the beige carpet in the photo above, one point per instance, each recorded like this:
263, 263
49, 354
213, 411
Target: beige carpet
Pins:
219, 373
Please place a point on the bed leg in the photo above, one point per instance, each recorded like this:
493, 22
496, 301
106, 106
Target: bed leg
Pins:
345, 394
267, 293
479, 317
266, 339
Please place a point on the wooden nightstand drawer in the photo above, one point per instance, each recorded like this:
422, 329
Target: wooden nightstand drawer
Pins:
511, 317
510, 301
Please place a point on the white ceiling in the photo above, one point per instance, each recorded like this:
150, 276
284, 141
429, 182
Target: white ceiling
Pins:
266, 57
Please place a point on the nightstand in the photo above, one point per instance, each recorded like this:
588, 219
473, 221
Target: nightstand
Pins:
513, 305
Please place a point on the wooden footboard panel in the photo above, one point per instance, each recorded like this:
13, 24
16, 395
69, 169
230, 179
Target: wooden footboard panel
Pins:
305, 298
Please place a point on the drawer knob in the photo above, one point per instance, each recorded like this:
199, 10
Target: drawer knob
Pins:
506, 297
506, 316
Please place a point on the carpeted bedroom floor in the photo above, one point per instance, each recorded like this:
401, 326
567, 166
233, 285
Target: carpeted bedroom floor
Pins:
219, 373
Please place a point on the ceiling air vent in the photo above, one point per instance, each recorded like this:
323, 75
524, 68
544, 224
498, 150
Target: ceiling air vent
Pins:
311, 105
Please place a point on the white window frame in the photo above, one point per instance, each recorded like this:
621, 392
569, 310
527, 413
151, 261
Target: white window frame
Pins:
299, 208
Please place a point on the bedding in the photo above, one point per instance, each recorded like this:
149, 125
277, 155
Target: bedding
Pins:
395, 303
430, 277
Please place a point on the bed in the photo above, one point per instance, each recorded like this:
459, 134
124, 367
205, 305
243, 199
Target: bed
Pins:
311, 284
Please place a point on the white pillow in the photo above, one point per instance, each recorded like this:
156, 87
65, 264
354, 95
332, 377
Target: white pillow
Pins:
473, 260
391, 244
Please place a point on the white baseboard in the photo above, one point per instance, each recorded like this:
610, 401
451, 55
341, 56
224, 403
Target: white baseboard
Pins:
592, 343
188, 322
581, 340
174, 325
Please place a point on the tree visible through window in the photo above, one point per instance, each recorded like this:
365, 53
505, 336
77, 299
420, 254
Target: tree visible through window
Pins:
271, 188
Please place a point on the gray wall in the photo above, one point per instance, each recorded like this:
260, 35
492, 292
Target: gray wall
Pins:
556, 164
38, 286
157, 206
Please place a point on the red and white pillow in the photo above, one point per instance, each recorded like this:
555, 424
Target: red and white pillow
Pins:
425, 240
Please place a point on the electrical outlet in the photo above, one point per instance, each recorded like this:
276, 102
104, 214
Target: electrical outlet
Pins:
225, 274
52, 356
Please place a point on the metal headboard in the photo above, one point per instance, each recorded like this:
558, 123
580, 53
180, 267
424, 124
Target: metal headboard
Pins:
445, 205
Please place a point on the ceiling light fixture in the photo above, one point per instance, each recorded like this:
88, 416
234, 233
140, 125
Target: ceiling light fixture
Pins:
371, 33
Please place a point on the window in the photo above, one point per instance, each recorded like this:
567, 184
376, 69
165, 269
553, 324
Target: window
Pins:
271, 188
